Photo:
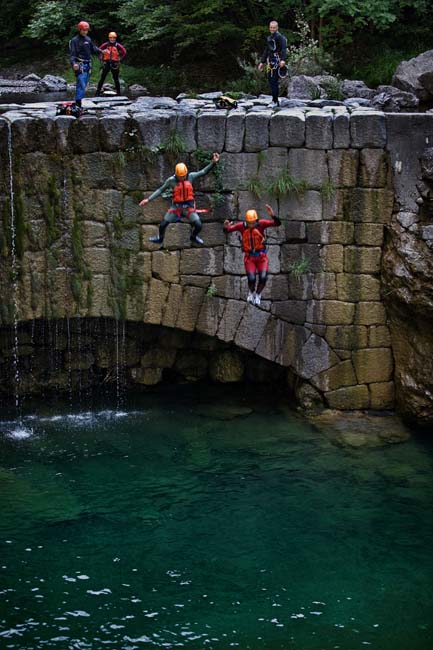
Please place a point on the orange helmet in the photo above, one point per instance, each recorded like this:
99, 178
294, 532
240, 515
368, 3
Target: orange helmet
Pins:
250, 216
181, 170
83, 25
112, 35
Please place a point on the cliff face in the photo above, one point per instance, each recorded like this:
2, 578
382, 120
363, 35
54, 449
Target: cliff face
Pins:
82, 249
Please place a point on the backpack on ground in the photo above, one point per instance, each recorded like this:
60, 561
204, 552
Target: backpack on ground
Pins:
69, 108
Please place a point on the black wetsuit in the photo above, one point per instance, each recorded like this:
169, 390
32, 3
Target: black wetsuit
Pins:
274, 52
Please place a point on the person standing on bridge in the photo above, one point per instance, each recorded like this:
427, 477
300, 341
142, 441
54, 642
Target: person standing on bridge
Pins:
274, 56
81, 48
182, 202
254, 248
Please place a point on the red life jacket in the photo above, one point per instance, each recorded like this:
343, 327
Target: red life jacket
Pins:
253, 241
183, 192
111, 53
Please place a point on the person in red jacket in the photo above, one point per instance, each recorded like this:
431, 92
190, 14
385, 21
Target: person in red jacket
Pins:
256, 261
113, 54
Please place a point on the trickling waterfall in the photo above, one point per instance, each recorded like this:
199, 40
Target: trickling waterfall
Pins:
14, 268
116, 325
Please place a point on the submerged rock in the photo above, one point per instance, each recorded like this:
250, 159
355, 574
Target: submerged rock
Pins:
358, 429
222, 411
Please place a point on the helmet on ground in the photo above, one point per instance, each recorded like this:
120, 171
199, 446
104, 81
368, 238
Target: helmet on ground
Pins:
83, 25
181, 169
250, 216
112, 35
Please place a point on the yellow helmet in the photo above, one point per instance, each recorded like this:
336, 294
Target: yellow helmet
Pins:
181, 170
112, 35
250, 216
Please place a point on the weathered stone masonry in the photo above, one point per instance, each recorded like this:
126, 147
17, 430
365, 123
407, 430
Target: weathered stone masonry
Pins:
82, 240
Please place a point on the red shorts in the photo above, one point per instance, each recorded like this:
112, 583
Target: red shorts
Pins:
256, 263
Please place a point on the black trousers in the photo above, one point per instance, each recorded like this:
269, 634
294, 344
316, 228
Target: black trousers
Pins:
106, 68
273, 80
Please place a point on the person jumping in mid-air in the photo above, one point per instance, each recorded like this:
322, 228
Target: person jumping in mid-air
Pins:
81, 48
254, 246
182, 202
113, 54
274, 56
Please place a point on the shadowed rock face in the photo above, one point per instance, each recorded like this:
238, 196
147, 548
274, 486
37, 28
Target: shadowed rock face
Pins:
82, 242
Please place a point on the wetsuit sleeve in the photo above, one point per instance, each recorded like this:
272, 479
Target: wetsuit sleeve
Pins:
168, 183
283, 45
234, 227
104, 46
194, 175
264, 56
95, 49
122, 51
269, 223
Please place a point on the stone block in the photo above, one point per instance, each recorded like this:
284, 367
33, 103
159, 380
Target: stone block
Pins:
192, 364
330, 312
302, 207
277, 288
379, 336
330, 232
227, 286
373, 365
367, 129
279, 342
112, 132
213, 234
353, 287
287, 128
362, 259
97, 260
210, 315
315, 357
192, 299
382, 395
172, 305
335, 206
186, 127
369, 234
343, 167
165, 266
177, 235
293, 311
158, 357
211, 130
146, 233
226, 366
94, 235
155, 301
369, 205
146, 376
272, 164
202, 261
233, 260
235, 131
373, 168
62, 125
309, 165
370, 313
341, 131
332, 258
318, 130
257, 131
229, 323
195, 281
251, 327
349, 398
292, 254
238, 170
301, 287
274, 259
324, 286
294, 231
346, 337
155, 127
342, 374
84, 135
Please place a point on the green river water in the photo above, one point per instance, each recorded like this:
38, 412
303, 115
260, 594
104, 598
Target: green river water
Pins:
184, 521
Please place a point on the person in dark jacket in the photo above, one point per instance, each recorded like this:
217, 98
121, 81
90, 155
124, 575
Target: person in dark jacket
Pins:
274, 56
81, 48
113, 54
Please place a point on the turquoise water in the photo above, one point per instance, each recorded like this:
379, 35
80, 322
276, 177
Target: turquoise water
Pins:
164, 525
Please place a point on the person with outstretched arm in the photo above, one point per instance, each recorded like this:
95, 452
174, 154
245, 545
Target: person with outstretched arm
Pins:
183, 202
252, 232
81, 48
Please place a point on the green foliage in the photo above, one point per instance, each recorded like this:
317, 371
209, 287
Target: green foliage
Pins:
328, 189
211, 291
252, 80
255, 186
287, 184
332, 88
305, 55
316, 93
175, 145
52, 210
299, 267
